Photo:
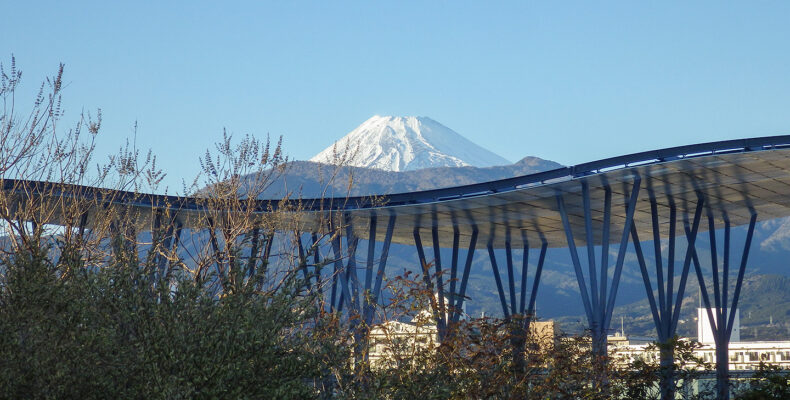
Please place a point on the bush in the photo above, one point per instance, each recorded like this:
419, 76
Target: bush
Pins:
107, 334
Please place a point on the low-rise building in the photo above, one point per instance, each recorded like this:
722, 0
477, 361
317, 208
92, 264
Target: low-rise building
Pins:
742, 355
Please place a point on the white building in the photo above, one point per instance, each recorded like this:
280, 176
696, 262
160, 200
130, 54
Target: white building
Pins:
705, 333
742, 355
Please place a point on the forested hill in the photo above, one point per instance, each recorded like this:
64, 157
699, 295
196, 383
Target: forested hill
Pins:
764, 311
308, 179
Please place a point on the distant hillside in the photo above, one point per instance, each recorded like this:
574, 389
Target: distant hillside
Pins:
309, 179
764, 309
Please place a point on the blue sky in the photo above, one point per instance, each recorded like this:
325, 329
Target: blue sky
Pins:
566, 81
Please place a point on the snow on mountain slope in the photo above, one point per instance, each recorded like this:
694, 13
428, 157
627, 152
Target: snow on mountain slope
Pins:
407, 143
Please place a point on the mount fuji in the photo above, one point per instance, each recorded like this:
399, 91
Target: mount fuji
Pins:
406, 144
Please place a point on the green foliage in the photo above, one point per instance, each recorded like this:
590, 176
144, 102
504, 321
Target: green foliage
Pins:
640, 378
110, 333
769, 382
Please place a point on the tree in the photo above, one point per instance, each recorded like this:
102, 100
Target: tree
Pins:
769, 382
92, 308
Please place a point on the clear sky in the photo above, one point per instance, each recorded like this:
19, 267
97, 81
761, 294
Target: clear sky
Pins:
566, 81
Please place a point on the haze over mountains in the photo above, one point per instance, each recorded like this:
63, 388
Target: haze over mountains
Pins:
404, 154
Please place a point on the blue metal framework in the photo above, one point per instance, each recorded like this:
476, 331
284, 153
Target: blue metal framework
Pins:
722, 315
599, 308
666, 313
557, 208
518, 303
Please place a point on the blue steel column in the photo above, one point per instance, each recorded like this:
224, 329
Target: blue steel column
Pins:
665, 314
442, 322
618, 267
83, 223
370, 298
174, 247
337, 266
598, 309
217, 255
302, 257
577, 267
316, 263
156, 237
253, 252
340, 275
366, 295
724, 320
351, 264
267, 252
426, 276
498, 280
524, 269
510, 279
166, 243
454, 269
535, 282
382, 265
517, 313
459, 302
607, 218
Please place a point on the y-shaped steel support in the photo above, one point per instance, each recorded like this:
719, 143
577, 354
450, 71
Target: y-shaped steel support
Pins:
722, 317
599, 309
518, 313
666, 314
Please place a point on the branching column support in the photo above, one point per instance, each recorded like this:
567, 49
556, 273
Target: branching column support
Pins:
303, 254
520, 313
304, 262
361, 307
154, 253
315, 245
343, 273
459, 298
346, 275
260, 259
371, 298
253, 258
162, 245
174, 246
448, 303
600, 305
438, 315
722, 315
517, 307
217, 253
83, 223
666, 312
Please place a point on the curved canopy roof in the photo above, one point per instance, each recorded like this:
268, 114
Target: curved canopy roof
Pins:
735, 177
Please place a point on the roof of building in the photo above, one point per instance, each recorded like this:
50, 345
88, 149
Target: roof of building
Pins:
737, 178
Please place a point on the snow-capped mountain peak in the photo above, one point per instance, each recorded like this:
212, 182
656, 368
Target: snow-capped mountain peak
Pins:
407, 143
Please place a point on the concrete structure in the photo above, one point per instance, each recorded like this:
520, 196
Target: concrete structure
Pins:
741, 356
705, 333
